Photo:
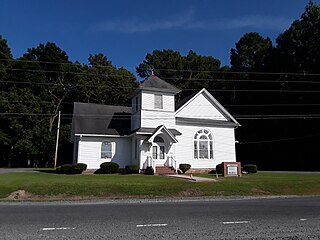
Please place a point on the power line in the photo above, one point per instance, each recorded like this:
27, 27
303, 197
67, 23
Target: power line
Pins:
248, 117
171, 69
198, 105
68, 72
279, 140
278, 81
186, 89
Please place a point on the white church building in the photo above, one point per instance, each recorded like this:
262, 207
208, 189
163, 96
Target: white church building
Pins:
155, 132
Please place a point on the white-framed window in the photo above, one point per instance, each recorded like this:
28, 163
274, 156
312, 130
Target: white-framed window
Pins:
158, 101
203, 145
107, 150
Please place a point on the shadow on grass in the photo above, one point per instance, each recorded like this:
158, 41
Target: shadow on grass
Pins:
46, 170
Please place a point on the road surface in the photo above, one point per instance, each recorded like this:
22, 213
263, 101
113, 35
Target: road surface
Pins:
266, 218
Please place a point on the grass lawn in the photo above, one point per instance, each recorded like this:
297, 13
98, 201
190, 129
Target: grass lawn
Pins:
44, 186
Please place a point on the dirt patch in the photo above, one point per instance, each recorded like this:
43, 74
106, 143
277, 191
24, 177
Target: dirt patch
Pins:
22, 195
19, 195
191, 193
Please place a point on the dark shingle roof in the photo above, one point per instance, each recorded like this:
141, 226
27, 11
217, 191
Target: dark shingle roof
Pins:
90, 118
155, 83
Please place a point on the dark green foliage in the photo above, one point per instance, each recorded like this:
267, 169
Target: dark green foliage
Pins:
132, 169
219, 168
108, 168
82, 166
298, 48
58, 169
250, 168
184, 167
251, 53
148, 171
71, 168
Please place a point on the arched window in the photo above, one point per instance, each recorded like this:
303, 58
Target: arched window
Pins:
106, 150
203, 145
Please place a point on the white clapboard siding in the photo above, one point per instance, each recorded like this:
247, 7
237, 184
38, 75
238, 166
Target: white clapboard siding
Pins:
223, 149
201, 107
148, 101
152, 119
90, 151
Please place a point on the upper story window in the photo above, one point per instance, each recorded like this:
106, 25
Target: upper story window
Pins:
158, 101
135, 104
203, 145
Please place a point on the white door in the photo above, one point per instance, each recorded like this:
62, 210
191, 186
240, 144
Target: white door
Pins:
158, 153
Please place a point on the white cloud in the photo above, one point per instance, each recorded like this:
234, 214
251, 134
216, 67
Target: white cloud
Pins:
136, 25
186, 20
258, 22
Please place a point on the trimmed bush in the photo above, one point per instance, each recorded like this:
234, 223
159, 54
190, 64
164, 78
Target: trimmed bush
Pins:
149, 171
250, 168
219, 169
58, 170
184, 167
109, 167
82, 166
71, 168
132, 169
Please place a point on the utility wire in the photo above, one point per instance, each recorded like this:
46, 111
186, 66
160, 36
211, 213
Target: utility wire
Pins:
197, 105
279, 81
173, 70
70, 85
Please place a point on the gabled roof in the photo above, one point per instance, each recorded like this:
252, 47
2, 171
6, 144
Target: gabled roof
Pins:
153, 83
214, 101
91, 118
159, 130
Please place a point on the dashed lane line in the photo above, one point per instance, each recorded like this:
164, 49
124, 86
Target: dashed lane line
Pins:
152, 225
235, 222
59, 228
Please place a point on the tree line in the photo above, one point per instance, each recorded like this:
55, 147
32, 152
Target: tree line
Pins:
272, 89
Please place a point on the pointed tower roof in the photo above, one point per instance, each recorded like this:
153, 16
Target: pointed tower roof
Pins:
157, 84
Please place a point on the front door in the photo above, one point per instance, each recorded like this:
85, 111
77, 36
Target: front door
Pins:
158, 150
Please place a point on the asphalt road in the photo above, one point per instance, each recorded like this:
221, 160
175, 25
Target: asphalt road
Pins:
275, 218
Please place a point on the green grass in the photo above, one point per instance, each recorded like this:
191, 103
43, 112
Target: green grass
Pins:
47, 185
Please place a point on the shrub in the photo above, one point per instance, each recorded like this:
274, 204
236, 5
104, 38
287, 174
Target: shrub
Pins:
184, 167
149, 171
109, 167
82, 166
132, 168
58, 169
71, 168
219, 168
250, 168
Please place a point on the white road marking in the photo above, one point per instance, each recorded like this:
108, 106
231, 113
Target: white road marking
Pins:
303, 219
236, 222
153, 225
59, 228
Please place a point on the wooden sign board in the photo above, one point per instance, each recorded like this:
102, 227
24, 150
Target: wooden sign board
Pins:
232, 169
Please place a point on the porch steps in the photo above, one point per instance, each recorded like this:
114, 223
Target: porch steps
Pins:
165, 170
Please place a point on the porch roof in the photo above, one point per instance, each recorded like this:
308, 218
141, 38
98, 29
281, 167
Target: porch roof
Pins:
150, 131
161, 129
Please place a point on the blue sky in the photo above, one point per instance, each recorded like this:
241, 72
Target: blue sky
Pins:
125, 30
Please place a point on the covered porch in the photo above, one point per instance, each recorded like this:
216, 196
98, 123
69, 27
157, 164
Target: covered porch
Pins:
158, 151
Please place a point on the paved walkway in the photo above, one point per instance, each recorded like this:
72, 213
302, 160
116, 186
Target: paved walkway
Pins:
13, 170
193, 178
